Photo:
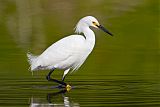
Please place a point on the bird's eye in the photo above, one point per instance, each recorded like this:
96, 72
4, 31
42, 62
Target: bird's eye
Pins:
94, 23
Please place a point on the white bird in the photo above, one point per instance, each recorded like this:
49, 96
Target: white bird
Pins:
69, 52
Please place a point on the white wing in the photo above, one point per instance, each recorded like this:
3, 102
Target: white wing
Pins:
63, 53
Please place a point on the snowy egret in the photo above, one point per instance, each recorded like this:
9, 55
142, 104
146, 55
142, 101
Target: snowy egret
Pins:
70, 52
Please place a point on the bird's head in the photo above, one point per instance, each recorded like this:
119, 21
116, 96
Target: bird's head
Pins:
89, 21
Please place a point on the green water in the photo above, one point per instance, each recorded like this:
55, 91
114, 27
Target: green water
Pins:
122, 71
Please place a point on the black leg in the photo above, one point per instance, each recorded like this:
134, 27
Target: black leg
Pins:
48, 77
60, 85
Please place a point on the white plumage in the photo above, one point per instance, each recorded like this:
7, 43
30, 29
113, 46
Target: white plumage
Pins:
69, 52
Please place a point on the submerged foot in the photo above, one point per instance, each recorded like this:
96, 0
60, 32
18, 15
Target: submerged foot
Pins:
61, 85
66, 87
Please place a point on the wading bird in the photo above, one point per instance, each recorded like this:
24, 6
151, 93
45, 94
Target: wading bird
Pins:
70, 52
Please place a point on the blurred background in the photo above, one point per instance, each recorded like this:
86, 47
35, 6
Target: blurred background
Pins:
122, 70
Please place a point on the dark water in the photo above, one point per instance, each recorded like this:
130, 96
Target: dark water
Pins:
122, 71
110, 90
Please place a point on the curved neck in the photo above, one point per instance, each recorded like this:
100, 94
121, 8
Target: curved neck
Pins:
88, 33
90, 36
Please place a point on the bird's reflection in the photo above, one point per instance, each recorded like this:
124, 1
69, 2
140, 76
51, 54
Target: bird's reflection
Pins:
52, 100
51, 96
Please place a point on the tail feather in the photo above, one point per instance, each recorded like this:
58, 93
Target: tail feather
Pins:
32, 61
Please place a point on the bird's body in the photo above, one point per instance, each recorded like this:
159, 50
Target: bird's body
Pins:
69, 52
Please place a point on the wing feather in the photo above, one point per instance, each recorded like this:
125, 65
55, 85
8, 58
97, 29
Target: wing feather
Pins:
62, 50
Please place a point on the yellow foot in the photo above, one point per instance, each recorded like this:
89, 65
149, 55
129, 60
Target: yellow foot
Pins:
68, 87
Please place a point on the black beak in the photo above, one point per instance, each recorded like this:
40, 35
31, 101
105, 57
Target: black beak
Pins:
104, 29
